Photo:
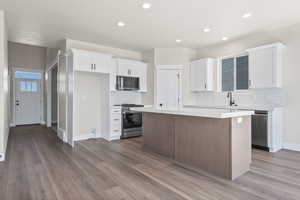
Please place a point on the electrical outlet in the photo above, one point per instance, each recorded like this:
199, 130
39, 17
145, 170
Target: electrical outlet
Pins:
93, 131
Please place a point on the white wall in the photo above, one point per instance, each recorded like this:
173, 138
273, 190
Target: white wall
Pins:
290, 36
88, 103
4, 88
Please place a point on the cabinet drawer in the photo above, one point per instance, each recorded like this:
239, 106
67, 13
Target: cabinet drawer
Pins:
116, 116
116, 120
115, 132
116, 110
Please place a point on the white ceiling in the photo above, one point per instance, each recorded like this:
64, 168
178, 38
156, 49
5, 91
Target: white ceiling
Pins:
46, 22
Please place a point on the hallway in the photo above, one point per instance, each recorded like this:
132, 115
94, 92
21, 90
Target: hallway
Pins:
39, 166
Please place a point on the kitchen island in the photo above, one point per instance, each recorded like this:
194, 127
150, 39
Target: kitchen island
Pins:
217, 141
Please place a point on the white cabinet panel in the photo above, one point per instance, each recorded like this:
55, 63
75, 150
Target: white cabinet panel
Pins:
202, 75
102, 63
89, 61
265, 65
83, 61
142, 74
128, 68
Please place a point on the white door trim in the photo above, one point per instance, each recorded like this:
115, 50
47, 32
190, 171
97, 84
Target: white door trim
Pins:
14, 69
48, 76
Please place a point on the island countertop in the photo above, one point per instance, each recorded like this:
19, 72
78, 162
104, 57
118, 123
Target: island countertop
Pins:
198, 112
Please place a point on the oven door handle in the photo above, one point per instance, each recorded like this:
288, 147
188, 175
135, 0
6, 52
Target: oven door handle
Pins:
130, 112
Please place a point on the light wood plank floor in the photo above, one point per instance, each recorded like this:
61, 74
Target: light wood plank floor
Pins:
39, 167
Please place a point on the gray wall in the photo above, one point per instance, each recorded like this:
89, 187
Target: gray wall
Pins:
26, 56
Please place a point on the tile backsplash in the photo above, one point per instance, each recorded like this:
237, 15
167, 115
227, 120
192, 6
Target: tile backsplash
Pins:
263, 97
126, 97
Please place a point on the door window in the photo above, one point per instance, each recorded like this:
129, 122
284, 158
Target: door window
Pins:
28, 75
28, 86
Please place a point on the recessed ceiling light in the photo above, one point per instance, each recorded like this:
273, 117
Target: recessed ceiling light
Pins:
206, 30
121, 24
178, 40
146, 5
224, 38
247, 15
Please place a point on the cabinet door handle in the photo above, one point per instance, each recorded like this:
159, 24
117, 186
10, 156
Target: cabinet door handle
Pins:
92, 66
249, 83
116, 119
205, 86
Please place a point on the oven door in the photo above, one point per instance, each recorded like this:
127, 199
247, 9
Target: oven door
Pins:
132, 120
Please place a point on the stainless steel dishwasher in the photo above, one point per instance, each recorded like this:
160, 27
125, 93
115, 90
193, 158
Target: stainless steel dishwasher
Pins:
260, 130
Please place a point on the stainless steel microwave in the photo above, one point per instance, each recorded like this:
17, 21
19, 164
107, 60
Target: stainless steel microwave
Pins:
127, 83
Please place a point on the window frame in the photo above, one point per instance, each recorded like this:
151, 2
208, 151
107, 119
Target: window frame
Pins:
235, 56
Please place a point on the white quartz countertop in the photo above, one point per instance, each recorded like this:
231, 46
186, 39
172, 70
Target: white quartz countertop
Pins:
239, 107
198, 112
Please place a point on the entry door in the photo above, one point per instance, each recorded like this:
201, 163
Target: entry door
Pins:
168, 89
27, 101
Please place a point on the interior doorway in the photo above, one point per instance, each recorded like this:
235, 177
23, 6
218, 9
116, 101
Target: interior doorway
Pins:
54, 107
27, 96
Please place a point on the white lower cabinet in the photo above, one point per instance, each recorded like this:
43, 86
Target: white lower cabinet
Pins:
115, 124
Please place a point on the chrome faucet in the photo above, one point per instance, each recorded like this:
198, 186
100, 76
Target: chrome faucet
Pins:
231, 100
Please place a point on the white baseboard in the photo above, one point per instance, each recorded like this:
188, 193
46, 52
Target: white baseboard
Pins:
292, 147
117, 137
114, 138
43, 122
85, 137
12, 125
61, 134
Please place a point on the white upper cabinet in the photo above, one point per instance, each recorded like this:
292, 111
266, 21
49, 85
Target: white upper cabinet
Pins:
265, 64
132, 68
128, 67
89, 61
202, 75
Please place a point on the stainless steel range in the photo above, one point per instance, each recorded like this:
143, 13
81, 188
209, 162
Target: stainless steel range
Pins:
132, 121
